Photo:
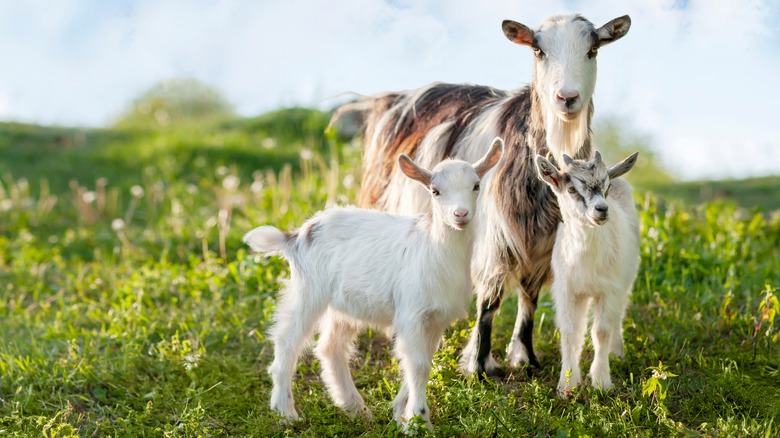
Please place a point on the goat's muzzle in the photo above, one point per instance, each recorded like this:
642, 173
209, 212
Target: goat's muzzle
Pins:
461, 217
600, 214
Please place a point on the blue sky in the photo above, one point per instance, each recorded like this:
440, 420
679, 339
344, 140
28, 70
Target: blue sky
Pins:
700, 78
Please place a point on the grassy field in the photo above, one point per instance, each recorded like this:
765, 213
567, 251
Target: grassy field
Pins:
130, 306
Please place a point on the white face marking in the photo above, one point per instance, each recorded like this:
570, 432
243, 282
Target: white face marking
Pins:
565, 65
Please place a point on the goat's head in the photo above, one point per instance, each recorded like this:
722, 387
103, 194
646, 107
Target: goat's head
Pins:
582, 186
565, 47
454, 184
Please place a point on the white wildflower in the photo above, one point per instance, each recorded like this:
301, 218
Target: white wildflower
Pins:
658, 375
349, 180
88, 197
231, 182
256, 187
137, 191
117, 225
269, 143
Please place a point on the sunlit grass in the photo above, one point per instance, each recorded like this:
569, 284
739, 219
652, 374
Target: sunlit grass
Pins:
131, 307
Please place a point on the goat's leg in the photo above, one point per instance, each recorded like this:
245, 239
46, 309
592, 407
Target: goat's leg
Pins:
616, 345
334, 348
400, 402
571, 317
521, 348
294, 323
606, 316
415, 347
476, 357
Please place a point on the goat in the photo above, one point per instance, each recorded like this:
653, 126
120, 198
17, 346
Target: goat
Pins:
516, 229
595, 259
358, 266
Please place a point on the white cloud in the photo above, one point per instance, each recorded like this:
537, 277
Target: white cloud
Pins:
697, 76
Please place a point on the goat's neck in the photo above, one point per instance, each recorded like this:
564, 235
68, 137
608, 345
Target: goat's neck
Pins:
570, 137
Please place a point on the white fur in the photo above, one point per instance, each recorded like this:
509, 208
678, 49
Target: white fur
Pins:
566, 68
592, 265
352, 267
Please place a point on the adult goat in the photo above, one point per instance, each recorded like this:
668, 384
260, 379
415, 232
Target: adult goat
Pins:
516, 228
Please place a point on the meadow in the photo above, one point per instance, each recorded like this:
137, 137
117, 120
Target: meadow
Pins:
130, 307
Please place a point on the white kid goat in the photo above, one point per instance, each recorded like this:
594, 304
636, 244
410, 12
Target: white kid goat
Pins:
352, 267
595, 259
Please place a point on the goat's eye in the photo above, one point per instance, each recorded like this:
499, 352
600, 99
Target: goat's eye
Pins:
435, 192
476, 187
572, 190
593, 52
538, 52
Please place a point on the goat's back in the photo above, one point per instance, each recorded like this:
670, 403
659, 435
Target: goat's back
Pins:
373, 265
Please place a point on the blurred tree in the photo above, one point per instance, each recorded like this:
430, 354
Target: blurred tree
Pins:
615, 142
176, 101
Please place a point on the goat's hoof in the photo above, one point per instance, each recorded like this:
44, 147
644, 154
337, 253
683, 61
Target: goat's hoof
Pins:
604, 385
565, 393
491, 373
288, 419
412, 426
365, 414
288, 413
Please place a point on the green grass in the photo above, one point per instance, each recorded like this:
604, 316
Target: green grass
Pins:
155, 326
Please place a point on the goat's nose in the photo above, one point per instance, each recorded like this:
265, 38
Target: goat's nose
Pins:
461, 213
602, 208
568, 97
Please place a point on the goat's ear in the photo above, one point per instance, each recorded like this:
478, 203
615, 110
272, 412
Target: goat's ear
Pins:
518, 33
491, 158
548, 172
622, 167
597, 159
413, 171
614, 30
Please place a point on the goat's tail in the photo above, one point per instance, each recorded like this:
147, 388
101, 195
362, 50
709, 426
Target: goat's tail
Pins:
267, 240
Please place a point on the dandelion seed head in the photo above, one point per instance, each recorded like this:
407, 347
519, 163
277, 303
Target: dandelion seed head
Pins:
117, 225
256, 187
269, 143
231, 182
137, 191
89, 197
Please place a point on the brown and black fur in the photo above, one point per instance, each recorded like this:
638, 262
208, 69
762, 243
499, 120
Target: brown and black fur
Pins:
525, 203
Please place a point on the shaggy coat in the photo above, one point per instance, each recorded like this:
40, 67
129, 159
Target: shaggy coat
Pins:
516, 228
